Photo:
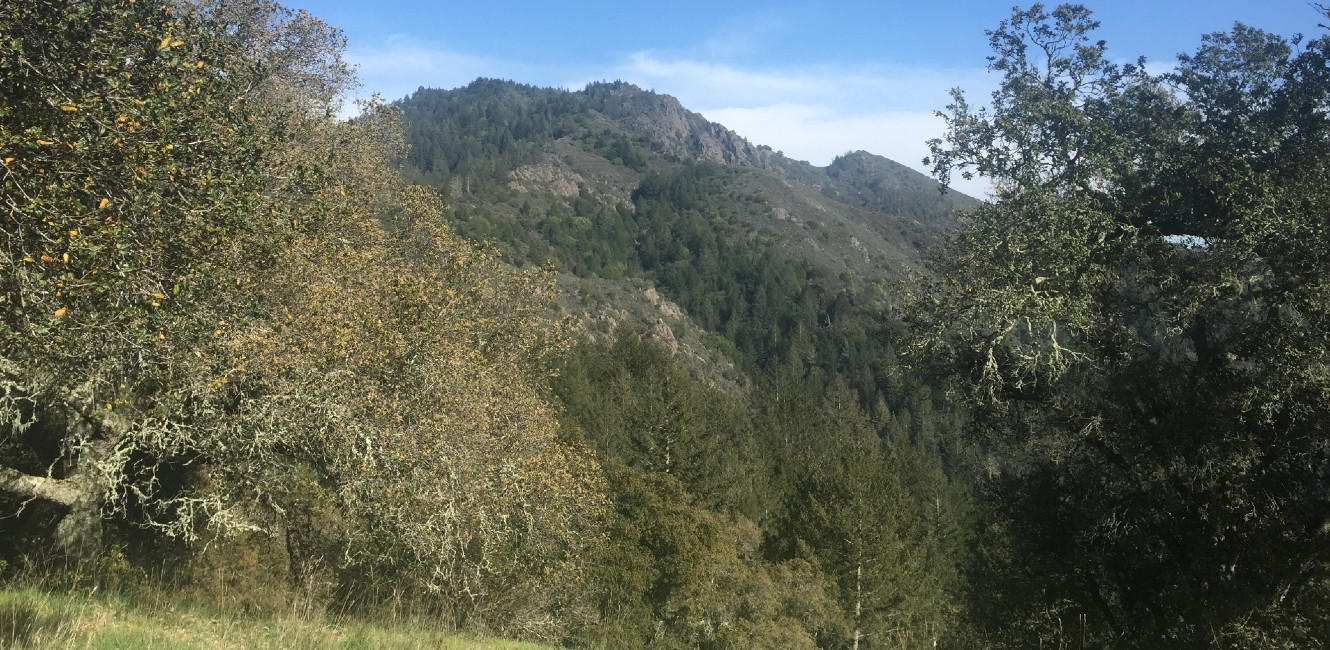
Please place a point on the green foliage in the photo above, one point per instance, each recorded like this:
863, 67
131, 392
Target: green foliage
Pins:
619, 149
641, 407
675, 574
101, 258
595, 240
1140, 323
778, 311
885, 186
142, 207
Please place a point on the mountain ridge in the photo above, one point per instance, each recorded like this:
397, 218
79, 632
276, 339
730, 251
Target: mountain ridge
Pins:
770, 261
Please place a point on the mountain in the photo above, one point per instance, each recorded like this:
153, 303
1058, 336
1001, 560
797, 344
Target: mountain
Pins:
738, 256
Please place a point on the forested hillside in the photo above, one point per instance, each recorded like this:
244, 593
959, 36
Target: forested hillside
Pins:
791, 268
584, 368
794, 505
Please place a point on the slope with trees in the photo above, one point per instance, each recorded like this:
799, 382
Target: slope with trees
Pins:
788, 266
233, 335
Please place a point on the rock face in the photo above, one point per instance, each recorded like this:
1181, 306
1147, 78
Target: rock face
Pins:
665, 306
546, 176
678, 132
661, 331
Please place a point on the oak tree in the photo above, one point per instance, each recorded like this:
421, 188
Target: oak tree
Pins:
222, 311
1139, 322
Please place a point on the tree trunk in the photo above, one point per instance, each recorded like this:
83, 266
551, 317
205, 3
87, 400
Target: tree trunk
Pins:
81, 525
86, 434
858, 601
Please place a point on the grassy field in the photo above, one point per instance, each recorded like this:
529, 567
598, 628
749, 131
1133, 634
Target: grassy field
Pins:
31, 618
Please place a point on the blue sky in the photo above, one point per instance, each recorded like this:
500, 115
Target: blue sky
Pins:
813, 79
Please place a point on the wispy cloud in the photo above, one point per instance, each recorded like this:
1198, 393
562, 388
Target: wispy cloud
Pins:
865, 87
745, 36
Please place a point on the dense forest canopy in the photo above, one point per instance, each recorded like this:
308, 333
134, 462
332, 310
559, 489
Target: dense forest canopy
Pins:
343, 359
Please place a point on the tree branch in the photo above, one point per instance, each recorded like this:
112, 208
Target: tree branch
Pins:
63, 492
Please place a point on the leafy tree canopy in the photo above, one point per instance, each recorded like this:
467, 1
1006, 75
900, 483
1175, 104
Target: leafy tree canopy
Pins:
1140, 322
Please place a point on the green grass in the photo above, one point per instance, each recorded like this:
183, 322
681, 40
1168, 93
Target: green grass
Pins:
32, 618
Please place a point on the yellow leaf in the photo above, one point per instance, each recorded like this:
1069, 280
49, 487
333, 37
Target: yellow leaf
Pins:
73, 233
64, 257
27, 259
68, 108
159, 295
199, 64
60, 312
45, 143
165, 43
8, 159
102, 205
177, 43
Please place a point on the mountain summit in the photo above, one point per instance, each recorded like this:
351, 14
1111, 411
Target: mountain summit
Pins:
675, 130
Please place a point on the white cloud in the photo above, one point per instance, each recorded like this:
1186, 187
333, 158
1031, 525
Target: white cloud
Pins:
857, 88
698, 81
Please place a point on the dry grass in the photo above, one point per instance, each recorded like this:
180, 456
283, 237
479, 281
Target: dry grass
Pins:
33, 618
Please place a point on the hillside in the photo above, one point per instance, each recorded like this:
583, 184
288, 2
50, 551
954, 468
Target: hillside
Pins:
764, 261
550, 144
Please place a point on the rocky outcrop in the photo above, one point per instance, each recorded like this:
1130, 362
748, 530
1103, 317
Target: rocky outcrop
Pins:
660, 331
678, 132
534, 178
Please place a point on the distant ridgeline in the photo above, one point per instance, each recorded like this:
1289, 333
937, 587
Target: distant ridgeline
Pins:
795, 267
